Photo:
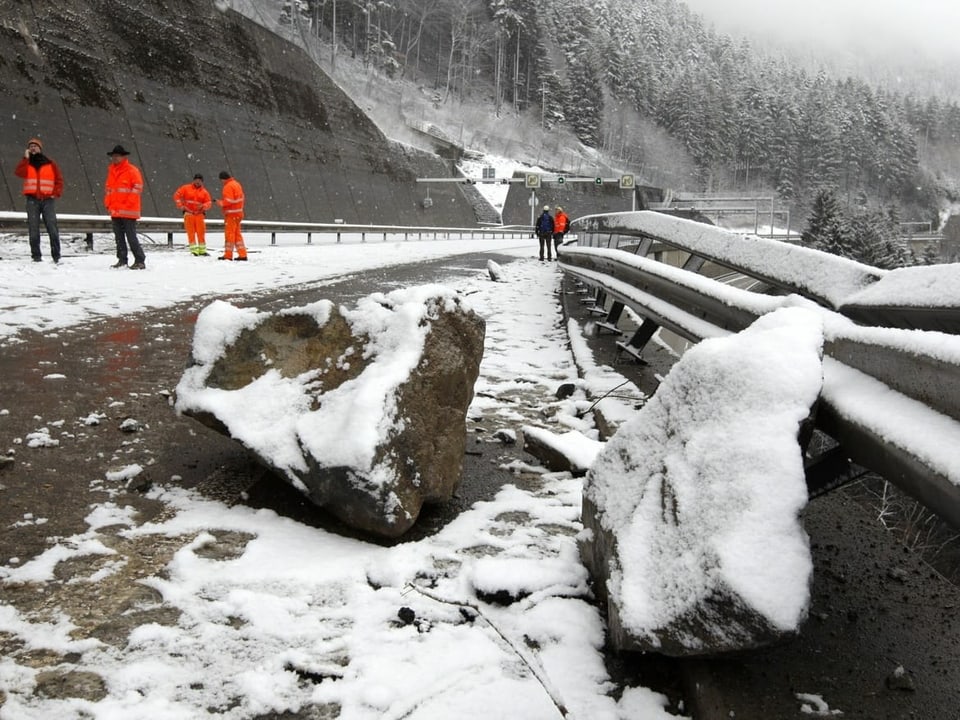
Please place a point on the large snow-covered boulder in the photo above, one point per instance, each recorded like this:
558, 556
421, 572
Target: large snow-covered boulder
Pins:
363, 410
692, 509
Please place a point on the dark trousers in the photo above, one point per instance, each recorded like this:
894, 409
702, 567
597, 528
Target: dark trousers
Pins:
125, 232
46, 209
557, 239
546, 243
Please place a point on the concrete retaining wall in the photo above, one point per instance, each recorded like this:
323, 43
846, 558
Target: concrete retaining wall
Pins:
189, 88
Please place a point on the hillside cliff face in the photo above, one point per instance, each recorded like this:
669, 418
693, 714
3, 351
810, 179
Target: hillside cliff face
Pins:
189, 88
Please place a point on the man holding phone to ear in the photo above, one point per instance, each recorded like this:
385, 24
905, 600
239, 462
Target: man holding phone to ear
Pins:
42, 185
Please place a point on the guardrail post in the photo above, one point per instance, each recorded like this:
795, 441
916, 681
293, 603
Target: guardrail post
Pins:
88, 226
638, 341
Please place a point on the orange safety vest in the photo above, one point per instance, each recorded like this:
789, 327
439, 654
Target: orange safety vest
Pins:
193, 199
232, 200
40, 182
122, 191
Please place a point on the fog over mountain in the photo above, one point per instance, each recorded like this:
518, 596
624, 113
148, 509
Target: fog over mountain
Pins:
872, 36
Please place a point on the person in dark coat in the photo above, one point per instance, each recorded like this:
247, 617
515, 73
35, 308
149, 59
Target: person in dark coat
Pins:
544, 230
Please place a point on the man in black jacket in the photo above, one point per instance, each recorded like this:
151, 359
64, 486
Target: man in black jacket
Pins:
544, 230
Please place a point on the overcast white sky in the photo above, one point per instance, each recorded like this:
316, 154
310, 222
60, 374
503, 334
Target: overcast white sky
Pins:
907, 27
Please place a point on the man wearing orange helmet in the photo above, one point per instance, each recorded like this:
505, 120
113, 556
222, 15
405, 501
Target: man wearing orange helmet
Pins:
42, 184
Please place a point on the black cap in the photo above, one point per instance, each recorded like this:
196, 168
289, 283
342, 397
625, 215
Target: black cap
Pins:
224, 175
118, 150
198, 176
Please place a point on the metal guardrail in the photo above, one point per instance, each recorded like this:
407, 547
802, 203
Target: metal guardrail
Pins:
907, 354
853, 289
16, 222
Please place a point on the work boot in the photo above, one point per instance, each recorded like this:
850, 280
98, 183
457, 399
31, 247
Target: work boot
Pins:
138, 266
224, 257
119, 264
243, 259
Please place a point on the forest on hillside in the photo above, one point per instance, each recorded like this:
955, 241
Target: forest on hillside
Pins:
751, 122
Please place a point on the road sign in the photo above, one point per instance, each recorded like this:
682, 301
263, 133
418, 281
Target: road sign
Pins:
626, 182
532, 180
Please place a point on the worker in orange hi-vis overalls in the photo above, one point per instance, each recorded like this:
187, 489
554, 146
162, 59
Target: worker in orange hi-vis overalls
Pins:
231, 203
194, 200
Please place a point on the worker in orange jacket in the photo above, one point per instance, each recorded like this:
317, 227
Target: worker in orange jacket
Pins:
561, 224
231, 203
193, 199
121, 198
42, 184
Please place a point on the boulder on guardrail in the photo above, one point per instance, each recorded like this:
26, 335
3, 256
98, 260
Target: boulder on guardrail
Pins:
921, 297
693, 536
363, 410
828, 279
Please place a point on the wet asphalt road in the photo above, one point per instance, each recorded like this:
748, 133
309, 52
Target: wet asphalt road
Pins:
876, 607
127, 368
